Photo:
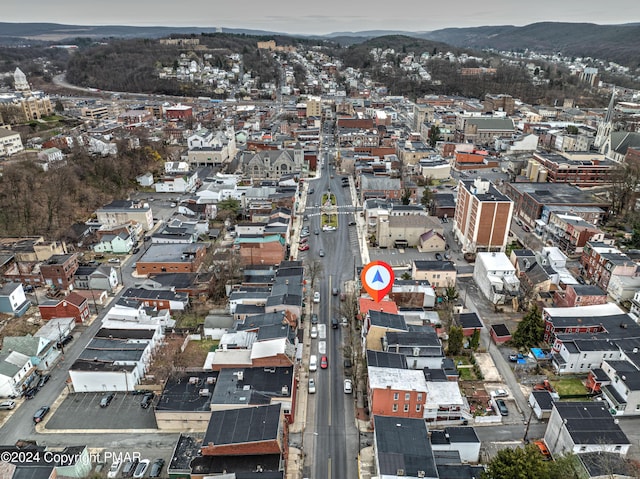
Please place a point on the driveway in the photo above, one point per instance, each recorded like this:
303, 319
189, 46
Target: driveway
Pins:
83, 411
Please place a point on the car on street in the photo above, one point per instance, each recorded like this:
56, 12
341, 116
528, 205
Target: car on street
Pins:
305, 218
316, 231
44, 379
64, 341
40, 414
106, 399
304, 240
156, 467
147, 400
136, 250
314, 331
328, 228
526, 228
141, 468
7, 405
335, 291
314, 316
304, 234
324, 362
438, 257
312, 386
352, 223
502, 407
31, 392
316, 297
303, 247
321, 252
348, 386
334, 323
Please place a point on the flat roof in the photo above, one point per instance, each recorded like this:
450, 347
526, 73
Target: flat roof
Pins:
590, 423
243, 425
400, 379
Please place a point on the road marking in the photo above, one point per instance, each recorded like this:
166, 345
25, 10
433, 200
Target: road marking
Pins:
329, 468
322, 347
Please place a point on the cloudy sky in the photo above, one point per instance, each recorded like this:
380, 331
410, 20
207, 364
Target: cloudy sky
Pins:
319, 17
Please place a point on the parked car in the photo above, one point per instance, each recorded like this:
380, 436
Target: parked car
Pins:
334, 323
106, 399
324, 362
114, 260
64, 341
147, 400
136, 250
348, 386
141, 468
347, 363
43, 380
129, 468
542, 446
7, 405
40, 414
156, 467
316, 231
502, 407
304, 234
438, 257
314, 331
114, 469
321, 252
352, 223
335, 291
303, 247
304, 240
314, 316
31, 392
500, 393
312, 386
316, 297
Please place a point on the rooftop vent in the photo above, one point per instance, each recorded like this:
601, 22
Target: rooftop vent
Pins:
193, 380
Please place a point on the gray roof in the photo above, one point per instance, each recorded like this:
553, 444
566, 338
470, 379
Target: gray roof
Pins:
452, 435
384, 359
379, 183
244, 425
590, 423
387, 320
491, 123
403, 444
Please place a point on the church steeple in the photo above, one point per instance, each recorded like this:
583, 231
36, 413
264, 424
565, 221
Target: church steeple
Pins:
606, 124
20, 82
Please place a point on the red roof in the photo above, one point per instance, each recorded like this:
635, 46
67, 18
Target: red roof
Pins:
385, 306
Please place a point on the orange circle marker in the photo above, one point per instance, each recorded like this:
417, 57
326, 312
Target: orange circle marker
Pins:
377, 278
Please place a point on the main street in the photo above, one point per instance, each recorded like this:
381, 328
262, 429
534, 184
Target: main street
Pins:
331, 434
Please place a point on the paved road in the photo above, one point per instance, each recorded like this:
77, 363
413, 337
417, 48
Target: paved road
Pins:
331, 435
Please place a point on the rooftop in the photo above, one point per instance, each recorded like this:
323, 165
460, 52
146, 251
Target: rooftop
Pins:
243, 425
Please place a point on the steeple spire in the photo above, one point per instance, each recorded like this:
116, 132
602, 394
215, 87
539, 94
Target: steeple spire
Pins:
608, 118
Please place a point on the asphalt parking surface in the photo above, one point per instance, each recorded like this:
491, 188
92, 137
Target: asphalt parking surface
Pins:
83, 411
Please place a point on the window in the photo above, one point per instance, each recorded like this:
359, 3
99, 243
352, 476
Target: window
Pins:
419, 397
395, 408
406, 408
419, 406
617, 448
396, 396
407, 396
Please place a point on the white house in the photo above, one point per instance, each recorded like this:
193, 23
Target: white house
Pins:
176, 167
13, 299
16, 373
495, 276
10, 142
177, 182
145, 180
623, 391
129, 315
463, 440
585, 426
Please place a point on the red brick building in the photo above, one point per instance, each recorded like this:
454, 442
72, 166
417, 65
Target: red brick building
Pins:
245, 432
579, 295
397, 392
59, 269
600, 261
178, 112
71, 306
268, 250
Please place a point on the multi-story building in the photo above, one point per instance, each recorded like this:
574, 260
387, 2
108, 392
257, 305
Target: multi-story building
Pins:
570, 232
501, 102
483, 216
580, 169
482, 130
601, 261
10, 142
59, 269
124, 211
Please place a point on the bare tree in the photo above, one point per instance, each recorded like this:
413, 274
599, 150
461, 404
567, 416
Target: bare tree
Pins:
314, 270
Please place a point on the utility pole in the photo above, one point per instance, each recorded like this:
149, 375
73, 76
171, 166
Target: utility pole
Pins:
526, 429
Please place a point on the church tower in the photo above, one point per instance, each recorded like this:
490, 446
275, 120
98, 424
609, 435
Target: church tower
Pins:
20, 81
298, 156
605, 126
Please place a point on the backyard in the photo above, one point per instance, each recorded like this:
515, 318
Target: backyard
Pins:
569, 386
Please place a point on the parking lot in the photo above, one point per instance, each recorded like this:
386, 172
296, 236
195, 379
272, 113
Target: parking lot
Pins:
83, 411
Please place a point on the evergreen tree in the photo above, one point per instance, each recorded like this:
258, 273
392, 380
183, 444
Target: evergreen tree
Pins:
530, 331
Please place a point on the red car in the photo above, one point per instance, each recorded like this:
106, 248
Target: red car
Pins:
324, 362
303, 247
303, 240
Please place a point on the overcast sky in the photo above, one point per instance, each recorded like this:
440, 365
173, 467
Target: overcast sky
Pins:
319, 17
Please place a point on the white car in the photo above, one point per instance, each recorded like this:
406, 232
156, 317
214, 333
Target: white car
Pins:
348, 386
500, 393
7, 405
141, 468
114, 469
316, 297
314, 332
312, 386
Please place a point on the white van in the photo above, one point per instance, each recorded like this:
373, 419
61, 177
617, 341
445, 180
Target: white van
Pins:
313, 363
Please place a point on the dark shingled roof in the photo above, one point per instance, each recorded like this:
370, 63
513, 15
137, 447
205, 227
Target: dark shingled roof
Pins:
403, 444
590, 423
470, 321
383, 359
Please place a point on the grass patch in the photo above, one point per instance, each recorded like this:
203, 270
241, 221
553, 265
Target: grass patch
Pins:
331, 220
189, 320
568, 386
208, 345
